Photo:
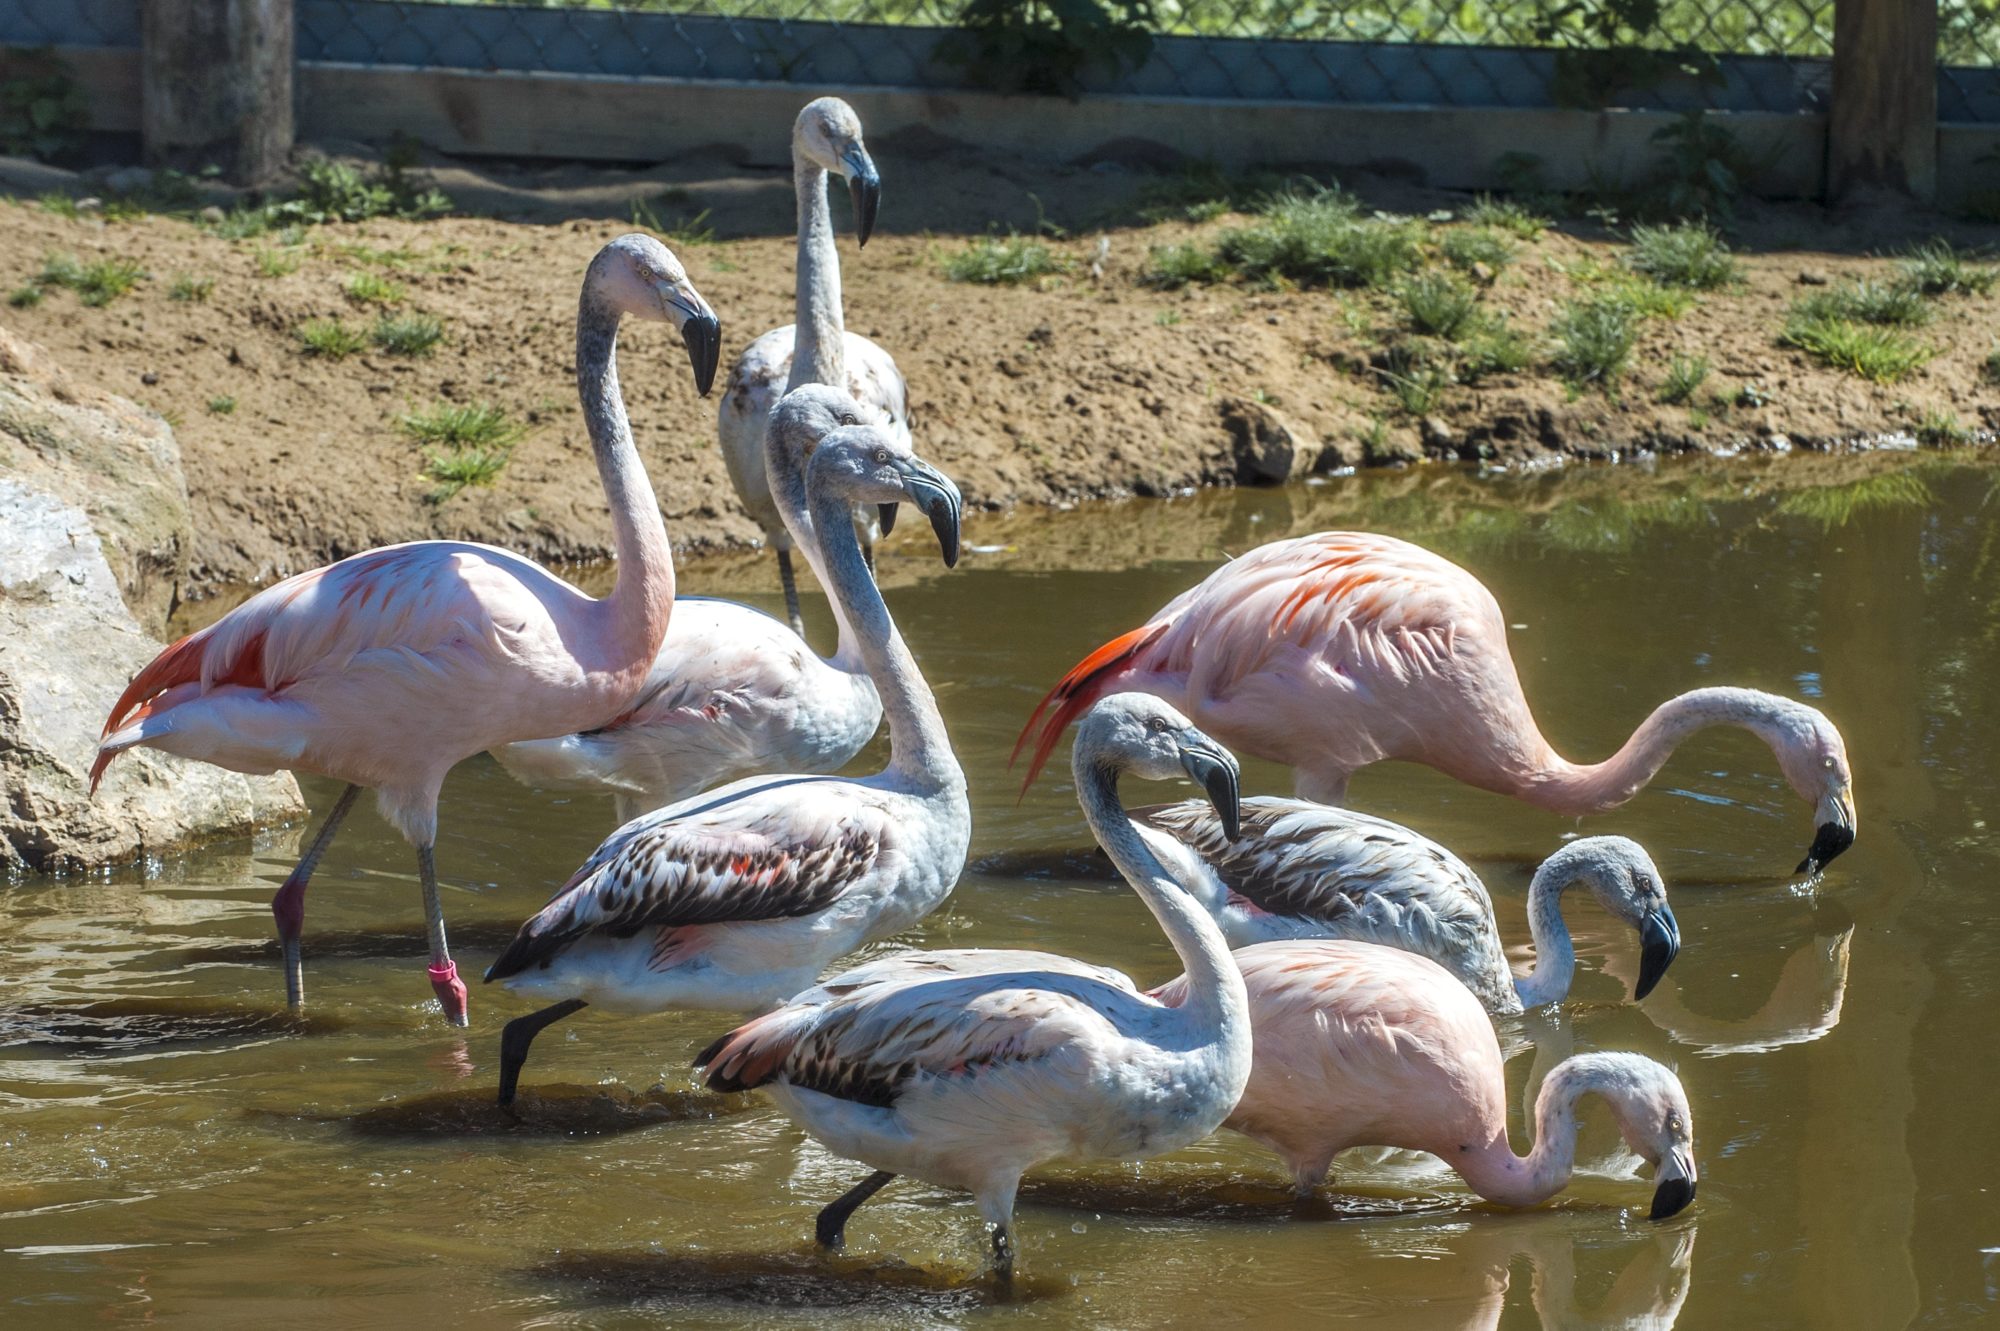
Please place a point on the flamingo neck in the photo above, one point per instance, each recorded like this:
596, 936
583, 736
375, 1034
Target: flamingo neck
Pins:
1574, 789
643, 596
1555, 955
819, 336
1497, 1174
784, 463
1217, 999
919, 749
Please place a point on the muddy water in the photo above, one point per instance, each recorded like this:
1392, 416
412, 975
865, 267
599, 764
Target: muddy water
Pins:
176, 1151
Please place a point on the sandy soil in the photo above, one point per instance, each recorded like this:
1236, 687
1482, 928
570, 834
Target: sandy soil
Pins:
1085, 385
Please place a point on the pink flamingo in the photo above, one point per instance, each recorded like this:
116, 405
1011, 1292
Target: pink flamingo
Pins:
1333, 651
388, 668
1356, 1044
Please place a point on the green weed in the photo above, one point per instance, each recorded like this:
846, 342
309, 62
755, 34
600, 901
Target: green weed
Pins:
1936, 269
997, 261
407, 334
462, 425
1495, 347
98, 282
221, 406
1942, 429
1469, 246
1867, 302
23, 297
1438, 304
278, 263
1690, 255
330, 338
372, 289
191, 289
1170, 267
1507, 215
1594, 340
1881, 355
1685, 376
1320, 240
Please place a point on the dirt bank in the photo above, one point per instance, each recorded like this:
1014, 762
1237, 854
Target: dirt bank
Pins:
1085, 383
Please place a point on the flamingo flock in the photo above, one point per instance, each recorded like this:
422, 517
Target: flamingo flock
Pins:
1357, 1007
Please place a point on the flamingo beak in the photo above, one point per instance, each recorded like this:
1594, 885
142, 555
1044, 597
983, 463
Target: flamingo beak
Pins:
937, 499
1674, 1184
1660, 943
702, 334
864, 190
1211, 767
1836, 831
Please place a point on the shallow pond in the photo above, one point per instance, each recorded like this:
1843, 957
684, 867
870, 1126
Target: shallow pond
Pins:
178, 1152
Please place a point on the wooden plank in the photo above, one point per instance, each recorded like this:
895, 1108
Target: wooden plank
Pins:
1882, 125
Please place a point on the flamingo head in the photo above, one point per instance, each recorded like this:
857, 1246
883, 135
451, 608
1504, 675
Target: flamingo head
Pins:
638, 277
864, 464
1651, 1107
1813, 757
808, 414
1140, 734
1626, 882
828, 134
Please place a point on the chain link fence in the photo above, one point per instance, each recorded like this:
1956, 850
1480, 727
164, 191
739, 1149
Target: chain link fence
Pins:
1731, 55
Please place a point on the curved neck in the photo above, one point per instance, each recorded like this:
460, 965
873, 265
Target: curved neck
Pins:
1216, 995
1575, 789
643, 596
818, 350
1555, 956
785, 466
1498, 1175
919, 749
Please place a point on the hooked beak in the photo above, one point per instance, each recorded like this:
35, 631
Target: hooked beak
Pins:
1660, 943
864, 189
701, 332
887, 512
937, 499
1211, 767
1674, 1184
1835, 834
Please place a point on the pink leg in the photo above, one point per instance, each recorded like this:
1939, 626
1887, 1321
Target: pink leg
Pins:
288, 908
443, 972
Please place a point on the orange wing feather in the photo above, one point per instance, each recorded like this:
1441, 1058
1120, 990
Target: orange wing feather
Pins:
1075, 692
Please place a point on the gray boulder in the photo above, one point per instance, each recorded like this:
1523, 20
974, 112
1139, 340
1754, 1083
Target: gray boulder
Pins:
115, 460
68, 646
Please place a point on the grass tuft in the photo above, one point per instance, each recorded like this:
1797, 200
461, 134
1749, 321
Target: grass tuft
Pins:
221, 406
1868, 303
278, 263
1438, 304
1594, 340
997, 261
1319, 239
1465, 247
465, 443
372, 289
1495, 347
1170, 267
1936, 269
1685, 376
23, 297
1942, 429
1691, 255
407, 334
330, 338
1880, 355
98, 282
191, 289
1507, 215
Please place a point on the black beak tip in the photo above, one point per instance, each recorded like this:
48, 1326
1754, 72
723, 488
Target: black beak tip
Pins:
887, 514
1660, 936
866, 193
1828, 843
702, 335
944, 521
1671, 1198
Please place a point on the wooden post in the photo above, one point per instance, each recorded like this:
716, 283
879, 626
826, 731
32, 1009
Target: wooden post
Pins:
216, 85
1882, 126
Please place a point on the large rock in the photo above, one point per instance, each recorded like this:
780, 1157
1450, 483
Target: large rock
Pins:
116, 460
68, 646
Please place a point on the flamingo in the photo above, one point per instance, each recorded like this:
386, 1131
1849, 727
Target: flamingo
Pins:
734, 900
968, 1068
388, 668
1304, 870
816, 348
1333, 651
733, 692
1363, 1045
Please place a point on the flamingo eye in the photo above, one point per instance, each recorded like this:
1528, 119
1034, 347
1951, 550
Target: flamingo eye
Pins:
1157, 724
882, 455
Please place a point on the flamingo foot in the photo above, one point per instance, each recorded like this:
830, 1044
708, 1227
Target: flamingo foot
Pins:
450, 991
288, 908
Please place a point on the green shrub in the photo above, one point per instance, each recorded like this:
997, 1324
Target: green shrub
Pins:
1685, 375
462, 425
1320, 240
98, 282
1690, 255
1942, 429
1170, 267
1468, 246
191, 289
372, 289
1867, 302
1594, 340
221, 406
1882, 355
24, 296
1506, 215
330, 338
1495, 347
1437, 304
407, 334
993, 261
1936, 269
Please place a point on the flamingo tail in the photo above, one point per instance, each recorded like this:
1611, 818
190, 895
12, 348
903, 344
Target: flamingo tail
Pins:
1075, 692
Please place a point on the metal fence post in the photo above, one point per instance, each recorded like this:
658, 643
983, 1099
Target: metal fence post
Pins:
1882, 124
216, 85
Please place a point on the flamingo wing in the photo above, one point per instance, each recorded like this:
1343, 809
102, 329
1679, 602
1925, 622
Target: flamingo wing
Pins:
867, 1042
759, 850
1337, 607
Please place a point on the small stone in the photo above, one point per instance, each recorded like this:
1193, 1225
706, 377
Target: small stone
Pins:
1812, 277
1482, 274
213, 215
149, 378
128, 180
90, 204
1437, 436
1268, 447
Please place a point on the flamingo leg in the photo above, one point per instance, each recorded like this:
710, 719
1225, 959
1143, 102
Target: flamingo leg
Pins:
1003, 1258
444, 974
288, 907
518, 1034
831, 1227
790, 583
